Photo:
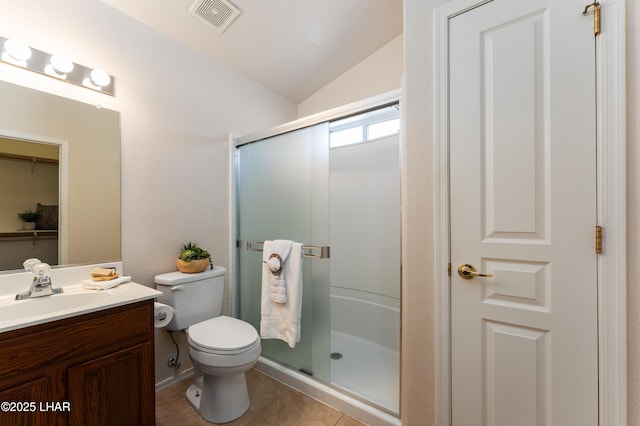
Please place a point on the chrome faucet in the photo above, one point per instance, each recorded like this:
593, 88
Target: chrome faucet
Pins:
41, 285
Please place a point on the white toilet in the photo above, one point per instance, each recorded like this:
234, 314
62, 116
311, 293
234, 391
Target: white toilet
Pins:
222, 348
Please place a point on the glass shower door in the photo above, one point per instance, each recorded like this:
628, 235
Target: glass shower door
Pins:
283, 193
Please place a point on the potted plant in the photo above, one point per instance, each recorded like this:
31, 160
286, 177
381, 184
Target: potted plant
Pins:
30, 218
193, 259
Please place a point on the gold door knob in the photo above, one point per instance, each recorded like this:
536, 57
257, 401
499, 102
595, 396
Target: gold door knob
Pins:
467, 272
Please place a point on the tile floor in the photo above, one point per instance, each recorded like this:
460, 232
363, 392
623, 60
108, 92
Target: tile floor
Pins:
272, 404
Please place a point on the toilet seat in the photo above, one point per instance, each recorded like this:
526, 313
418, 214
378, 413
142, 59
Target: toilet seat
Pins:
223, 335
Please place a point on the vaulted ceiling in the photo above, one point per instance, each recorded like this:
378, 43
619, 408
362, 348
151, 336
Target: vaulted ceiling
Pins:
293, 47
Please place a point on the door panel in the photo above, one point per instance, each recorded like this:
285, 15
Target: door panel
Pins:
523, 208
517, 369
113, 389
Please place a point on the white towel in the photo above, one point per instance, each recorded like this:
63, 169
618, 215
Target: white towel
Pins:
282, 320
278, 254
104, 285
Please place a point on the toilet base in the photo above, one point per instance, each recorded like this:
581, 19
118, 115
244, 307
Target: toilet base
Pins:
220, 399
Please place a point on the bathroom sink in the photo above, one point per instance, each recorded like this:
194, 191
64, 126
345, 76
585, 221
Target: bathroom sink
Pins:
50, 305
75, 301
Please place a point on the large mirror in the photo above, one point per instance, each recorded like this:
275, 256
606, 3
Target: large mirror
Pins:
59, 158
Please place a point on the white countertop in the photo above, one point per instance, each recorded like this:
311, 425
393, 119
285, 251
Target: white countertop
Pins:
75, 299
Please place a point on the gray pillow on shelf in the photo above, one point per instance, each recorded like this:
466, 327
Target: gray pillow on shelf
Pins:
48, 217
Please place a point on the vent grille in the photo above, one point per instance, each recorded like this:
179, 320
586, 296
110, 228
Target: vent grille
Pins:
217, 13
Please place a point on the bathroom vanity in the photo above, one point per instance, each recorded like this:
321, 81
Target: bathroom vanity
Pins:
100, 363
92, 366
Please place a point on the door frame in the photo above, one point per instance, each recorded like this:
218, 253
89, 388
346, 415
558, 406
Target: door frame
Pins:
611, 209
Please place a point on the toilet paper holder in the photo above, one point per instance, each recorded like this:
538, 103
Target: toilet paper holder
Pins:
162, 314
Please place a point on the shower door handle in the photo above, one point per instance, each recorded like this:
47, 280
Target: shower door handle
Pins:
308, 250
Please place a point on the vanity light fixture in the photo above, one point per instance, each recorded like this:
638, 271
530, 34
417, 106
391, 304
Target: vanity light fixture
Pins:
16, 52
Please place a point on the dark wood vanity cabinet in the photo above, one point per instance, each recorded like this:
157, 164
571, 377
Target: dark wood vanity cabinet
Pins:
94, 369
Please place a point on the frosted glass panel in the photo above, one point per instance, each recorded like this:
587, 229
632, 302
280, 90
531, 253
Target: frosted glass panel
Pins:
365, 215
283, 189
365, 269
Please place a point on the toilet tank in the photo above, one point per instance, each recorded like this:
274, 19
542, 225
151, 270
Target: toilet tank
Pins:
195, 297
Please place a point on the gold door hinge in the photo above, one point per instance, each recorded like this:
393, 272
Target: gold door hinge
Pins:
596, 16
598, 239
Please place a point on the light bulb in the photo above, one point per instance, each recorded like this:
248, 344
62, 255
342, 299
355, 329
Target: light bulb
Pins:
17, 49
99, 77
61, 63
50, 70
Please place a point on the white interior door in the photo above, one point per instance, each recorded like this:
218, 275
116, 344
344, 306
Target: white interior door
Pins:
523, 208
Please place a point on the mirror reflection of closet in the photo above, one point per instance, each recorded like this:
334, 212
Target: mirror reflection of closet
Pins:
87, 138
29, 181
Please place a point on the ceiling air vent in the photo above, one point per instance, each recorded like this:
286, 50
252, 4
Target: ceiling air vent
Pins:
217, 13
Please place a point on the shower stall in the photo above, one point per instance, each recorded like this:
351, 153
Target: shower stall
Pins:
333, 185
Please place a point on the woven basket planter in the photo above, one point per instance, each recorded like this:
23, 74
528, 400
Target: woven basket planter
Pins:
193, 266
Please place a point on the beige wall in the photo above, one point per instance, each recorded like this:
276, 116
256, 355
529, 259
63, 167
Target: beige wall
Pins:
379, 73
13, 146
418, 334
418, 357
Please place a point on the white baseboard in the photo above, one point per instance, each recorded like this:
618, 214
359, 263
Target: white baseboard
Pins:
175, 379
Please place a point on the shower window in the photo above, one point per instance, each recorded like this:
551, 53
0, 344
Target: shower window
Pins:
383, 128
346, 136
371, 125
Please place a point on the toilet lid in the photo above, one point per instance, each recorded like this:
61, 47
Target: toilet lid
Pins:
223, 334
